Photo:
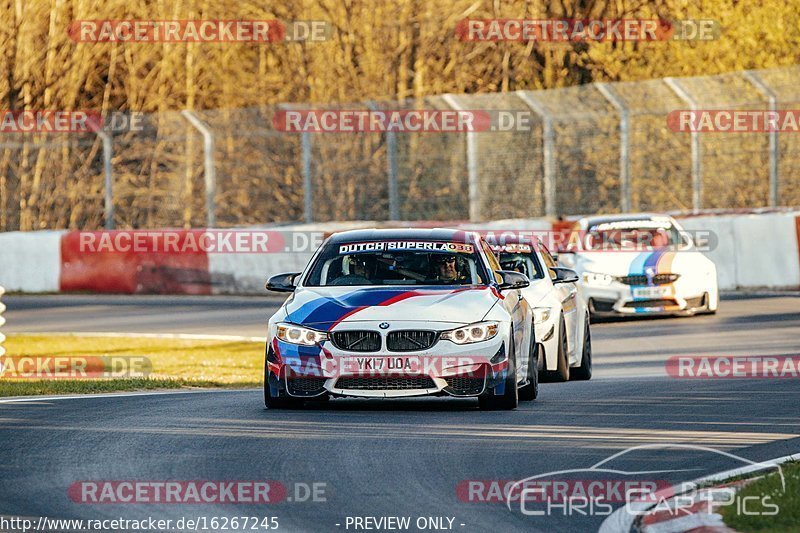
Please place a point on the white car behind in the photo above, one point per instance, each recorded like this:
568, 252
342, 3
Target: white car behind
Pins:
561, 319
635, 265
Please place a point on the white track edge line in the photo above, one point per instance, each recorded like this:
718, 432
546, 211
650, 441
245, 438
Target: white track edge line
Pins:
26, 399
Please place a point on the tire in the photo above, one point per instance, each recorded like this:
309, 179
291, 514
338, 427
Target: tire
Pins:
282, 400
708, 310
510, 397
561, 373
531, 391
584, 372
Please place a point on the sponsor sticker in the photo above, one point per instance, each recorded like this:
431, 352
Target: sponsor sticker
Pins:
391, 246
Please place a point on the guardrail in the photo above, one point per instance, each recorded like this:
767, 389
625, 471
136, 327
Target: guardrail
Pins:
52, 261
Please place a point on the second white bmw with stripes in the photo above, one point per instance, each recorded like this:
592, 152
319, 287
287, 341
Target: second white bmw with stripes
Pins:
635, 265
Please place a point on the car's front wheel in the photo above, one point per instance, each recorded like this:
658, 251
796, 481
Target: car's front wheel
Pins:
584, 372
278, 399
711, 307
531, 390
561, 373
509, 398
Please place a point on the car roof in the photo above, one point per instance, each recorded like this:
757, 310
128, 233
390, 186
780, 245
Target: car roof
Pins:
589, 222
395, 234
514, 238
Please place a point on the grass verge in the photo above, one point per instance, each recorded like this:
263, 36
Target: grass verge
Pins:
788, 502
176, 363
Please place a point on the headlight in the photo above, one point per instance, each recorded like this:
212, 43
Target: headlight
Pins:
595, 278
300, 335
541, 315
482, 331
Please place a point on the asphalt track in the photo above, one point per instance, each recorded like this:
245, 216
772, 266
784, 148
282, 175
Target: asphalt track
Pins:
398, 458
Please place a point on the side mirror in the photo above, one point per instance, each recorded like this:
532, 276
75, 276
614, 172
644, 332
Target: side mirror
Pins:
513, 280
282, 282
564, 275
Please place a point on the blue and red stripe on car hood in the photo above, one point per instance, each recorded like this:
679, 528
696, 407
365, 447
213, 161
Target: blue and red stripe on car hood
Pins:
324, 307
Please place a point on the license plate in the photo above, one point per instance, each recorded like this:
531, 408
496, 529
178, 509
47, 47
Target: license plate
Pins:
381, 365
649, 293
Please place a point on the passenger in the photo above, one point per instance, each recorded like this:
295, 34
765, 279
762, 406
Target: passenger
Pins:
359, 272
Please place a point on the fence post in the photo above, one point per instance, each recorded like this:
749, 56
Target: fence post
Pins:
209, 170
772, 99
2, 321
548, 151
391, 168
697, 177
308, 184
605, 89
472, 165
391, 175
108, 153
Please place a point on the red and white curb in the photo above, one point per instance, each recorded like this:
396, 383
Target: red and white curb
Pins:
693, 519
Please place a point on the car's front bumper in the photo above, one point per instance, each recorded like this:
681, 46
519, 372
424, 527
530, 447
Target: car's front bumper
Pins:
619, 299
446, 369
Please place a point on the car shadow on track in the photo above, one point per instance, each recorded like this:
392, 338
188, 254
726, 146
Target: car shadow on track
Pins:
388, 404
638, 318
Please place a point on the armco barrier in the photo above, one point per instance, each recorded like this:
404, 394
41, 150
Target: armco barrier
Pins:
30, 261
247, 273
753, 251
766, 250
132, 272
724, 255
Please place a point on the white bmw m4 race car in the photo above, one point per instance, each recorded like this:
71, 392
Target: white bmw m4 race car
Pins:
640, 265
399, 313
561, 318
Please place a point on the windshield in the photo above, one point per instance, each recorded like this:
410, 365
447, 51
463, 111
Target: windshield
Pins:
519, 262
519, 258
397, 263
633, 234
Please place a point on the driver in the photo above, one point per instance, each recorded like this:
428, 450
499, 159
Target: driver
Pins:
446, 268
